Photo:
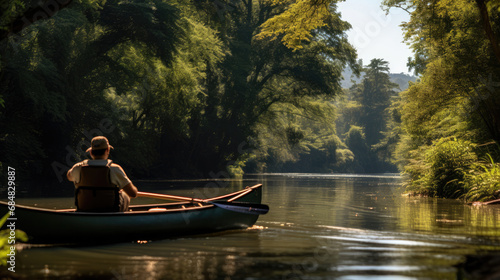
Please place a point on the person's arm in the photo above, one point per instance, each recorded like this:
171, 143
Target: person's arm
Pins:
119, 178
130, 189
70, 174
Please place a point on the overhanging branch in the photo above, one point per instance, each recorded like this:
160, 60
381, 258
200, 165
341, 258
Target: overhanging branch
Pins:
44, 11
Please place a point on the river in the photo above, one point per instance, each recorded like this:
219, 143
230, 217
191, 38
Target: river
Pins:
320, 226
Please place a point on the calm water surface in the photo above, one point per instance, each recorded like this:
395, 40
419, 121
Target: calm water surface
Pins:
319, 227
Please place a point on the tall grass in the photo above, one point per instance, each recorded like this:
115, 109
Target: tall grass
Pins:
444, 168
450, 168
451, 160
483, 181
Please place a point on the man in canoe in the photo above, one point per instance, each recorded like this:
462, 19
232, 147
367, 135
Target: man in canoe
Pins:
101, 186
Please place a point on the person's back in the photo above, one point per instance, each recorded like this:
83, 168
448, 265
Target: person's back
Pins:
95, 192
100, 185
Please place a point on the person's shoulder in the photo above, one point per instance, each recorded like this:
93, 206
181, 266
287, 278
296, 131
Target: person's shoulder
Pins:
118, 173
81, 163
115, 166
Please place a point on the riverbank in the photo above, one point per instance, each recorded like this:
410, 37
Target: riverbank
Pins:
454, 168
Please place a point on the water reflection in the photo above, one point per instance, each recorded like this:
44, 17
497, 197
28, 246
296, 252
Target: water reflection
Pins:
449, 216
206, 257
319, 227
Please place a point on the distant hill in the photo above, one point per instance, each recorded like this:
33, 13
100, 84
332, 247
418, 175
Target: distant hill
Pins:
401, 79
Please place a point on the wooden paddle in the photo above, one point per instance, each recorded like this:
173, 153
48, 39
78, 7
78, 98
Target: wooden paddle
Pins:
241, 207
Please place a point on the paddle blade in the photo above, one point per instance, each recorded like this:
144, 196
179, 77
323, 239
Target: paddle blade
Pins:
242, 207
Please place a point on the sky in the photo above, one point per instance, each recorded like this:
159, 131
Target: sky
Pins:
376, 35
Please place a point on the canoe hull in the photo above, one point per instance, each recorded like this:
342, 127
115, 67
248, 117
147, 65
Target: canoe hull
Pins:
173, 219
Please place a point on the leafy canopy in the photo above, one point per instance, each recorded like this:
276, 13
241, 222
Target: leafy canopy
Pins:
296, 23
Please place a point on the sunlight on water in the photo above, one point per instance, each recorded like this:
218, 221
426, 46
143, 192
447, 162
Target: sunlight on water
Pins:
256, 227
320, 226
335, 175
374, 277
385, 241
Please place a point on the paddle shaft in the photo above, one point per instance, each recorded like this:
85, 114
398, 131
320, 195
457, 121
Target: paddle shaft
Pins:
241, 207
169, 197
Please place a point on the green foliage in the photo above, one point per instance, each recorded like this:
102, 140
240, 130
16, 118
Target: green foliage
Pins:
4, 240
297, 21
455, 98
449, 161
9, 10
297, 138
366, 108
483, 182
182, 88
374, 96
345, 161
271, 94
57, 83
356, 142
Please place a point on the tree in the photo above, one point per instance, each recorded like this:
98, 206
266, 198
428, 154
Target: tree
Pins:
365, 115
356, 142
16, 15
55, 82
295, 23
457, 96
183, 92
485, 20
265, 79
374, 96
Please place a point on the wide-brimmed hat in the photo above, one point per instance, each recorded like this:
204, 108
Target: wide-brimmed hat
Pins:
99, 143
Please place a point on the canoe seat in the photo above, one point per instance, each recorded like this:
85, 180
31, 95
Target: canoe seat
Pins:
97, 199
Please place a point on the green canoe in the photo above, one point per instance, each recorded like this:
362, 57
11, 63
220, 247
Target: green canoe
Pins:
142, 222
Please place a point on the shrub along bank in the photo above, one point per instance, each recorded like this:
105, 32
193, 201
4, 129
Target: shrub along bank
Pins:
452, 168
450, 119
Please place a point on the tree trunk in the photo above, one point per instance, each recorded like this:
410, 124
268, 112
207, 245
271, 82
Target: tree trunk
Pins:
485, 19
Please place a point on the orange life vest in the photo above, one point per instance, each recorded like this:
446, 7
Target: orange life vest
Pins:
95, 192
